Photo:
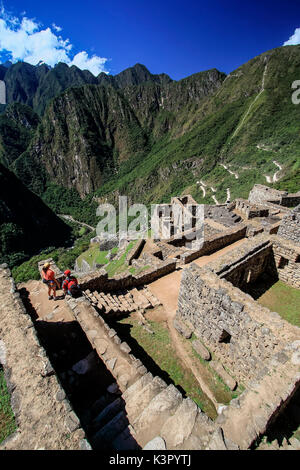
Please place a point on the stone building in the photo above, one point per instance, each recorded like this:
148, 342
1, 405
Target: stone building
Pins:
261, 194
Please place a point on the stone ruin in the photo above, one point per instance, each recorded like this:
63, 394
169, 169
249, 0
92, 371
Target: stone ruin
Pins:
243, 342
261, 194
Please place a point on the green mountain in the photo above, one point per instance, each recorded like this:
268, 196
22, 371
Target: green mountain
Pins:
36, 85
17, 126
26, 223
246, 124
89, 133
150, 137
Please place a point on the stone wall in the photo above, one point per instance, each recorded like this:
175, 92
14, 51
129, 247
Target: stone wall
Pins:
290, 226
291, 200
214, 243
246, 263
251, 210
223, 214
99, 280
239, 332
287, 259
261, 194
44, 417
151, 409
135, 252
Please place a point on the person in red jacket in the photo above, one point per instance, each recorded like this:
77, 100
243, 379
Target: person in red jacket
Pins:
70, 284
49, 278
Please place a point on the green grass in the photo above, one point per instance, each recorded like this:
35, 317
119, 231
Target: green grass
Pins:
134, 270
284, 300
93, 255
221, 391
119, 265
7, 419
160, 348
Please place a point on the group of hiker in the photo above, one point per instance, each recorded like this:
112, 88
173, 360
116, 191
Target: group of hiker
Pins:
69, 284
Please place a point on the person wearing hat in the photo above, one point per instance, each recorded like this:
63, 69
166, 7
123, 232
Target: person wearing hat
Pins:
49, 279
70, 284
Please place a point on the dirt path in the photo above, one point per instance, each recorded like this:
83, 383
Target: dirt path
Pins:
229, 171
275, 177
69, 217
166, 289
47, 310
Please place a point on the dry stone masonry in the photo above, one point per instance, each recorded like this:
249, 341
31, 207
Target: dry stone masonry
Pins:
247, 346
44, 417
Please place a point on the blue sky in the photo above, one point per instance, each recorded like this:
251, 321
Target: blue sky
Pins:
171, 36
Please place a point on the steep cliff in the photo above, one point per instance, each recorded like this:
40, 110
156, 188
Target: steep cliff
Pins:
26, 223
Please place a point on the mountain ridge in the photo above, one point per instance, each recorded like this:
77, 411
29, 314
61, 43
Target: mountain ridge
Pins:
157, 138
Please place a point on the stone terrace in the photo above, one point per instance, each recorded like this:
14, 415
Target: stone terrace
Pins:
45, 419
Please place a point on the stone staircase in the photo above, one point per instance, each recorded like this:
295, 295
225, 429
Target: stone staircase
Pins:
122, 303
138, 407
147, 409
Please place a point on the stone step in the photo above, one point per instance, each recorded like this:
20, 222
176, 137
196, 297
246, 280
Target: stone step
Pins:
97, 295
126, 440
107, 414
135, 388
93, 299
142, 399
203, 429
101, 403
179, 427
149, 423
152, 299
139, 299
103, 439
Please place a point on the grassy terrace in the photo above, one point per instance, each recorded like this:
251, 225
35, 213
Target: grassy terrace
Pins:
7, 420
94, 256
284, 300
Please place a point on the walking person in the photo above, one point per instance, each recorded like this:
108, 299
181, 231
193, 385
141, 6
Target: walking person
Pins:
49, 278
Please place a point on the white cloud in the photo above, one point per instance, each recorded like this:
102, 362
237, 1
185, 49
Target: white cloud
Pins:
57, 28
293, 40
25, 39
94, 63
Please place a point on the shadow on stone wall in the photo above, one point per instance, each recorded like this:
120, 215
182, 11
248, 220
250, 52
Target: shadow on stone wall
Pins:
87, 383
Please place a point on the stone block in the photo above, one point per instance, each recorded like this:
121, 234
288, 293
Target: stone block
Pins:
201, 350
227, 379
